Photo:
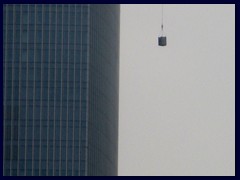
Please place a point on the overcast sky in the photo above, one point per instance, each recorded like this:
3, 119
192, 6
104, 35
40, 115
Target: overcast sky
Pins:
177, 103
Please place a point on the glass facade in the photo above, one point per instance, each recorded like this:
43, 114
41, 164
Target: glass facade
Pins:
60, 85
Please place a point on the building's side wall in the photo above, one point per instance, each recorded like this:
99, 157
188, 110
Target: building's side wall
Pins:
103, 89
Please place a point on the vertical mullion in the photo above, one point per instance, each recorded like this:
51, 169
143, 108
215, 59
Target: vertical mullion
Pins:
61, 104
5, 84
41, 97
55, 87
74, 89
54, 106
34, 85
49, 52
67, 91
87, 89
80, 98
18, 143
12, 101
19, 85
27, 118
47, 161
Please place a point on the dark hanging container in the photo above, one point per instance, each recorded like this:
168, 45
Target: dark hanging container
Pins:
162, 41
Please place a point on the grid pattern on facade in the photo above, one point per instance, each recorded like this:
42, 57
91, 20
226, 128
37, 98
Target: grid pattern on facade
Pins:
60, 83
45, 89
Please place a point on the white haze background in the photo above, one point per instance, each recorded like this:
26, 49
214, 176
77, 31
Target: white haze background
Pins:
177, 103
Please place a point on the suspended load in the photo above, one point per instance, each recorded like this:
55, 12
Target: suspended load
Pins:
162, 40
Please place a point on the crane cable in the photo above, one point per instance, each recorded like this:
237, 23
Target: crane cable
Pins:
162, 21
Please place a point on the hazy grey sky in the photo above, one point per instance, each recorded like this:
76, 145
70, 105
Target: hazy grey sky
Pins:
177, 103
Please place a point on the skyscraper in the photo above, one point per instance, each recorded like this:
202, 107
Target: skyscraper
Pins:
60, 83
